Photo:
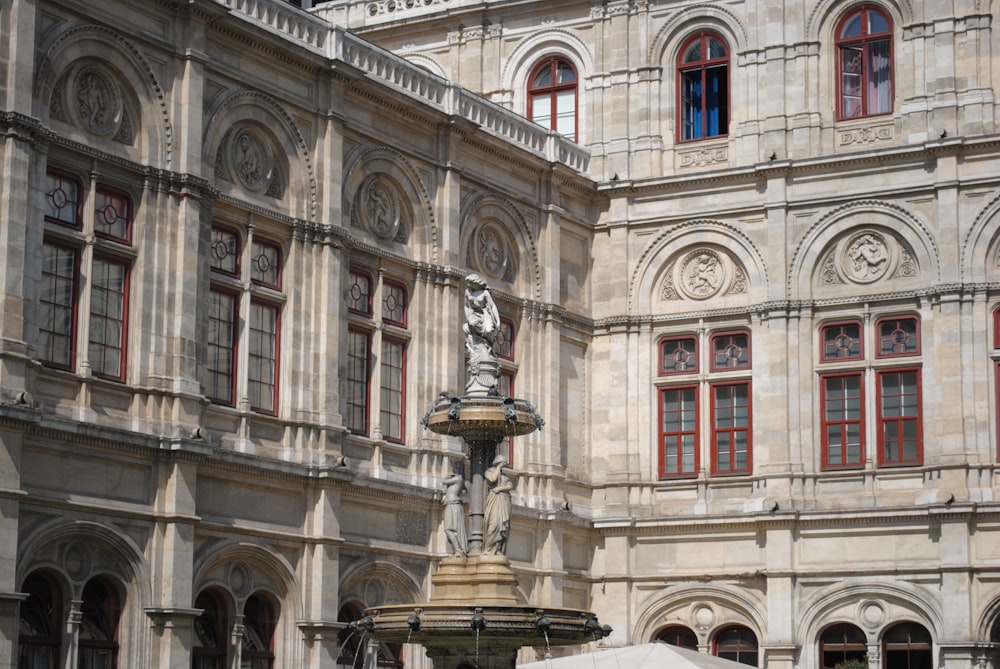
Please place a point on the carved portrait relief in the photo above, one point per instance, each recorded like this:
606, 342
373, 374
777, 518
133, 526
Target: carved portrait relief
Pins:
246, 157
90, 97
492, 251
703, 273
380, 208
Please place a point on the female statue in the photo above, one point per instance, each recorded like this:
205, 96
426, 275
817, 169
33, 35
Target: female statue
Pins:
497, 516
454, 510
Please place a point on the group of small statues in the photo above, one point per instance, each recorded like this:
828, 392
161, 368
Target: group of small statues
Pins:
500, 480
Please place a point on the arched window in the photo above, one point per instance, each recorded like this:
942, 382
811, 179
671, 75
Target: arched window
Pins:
842, 643
100, 613
736, 643
703, 88
907, 646
678, 635
211, 632
257, 650
41, 618
864, 63
353, 644
552, 100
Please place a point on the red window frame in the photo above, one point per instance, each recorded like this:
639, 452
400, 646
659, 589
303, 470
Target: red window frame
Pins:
392, 391
263, 370
861, 45
895, 342
357, 396
833, 418
679, 432
678, 355
898, 424
679, 636
554, 65
108, 203
838, 343
57, 199
701, 67
730, 429
359, 296
216, 318
221, 251
395, 303
505, 339
728, 348
98, 348
50, 307
265, 262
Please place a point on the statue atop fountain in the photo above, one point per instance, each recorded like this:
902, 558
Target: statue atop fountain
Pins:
474, 594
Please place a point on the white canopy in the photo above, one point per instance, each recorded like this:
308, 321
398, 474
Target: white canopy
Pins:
645, 656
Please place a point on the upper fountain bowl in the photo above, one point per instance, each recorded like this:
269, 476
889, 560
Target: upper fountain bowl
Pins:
482, 418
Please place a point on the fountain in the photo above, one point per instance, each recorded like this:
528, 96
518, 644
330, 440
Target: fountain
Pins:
475, 618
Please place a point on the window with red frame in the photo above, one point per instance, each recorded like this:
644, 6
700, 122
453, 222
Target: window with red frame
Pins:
552, 96
703, 88
680, 636
727, 421
100, 611
393, 384
105, 273
864, 63
842, 401
897, 430
257, 646
259, 340
394, 304
841, 643
356, 378
900, 438
359, 292
907, 645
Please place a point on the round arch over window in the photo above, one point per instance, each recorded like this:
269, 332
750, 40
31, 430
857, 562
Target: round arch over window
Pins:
736, 643
703, 88
552, 96
678, 635
907, 646
864, 63
842, 643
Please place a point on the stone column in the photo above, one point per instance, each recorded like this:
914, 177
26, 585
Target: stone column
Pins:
481, 456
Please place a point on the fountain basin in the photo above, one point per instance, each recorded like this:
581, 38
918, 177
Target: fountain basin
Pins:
476, 418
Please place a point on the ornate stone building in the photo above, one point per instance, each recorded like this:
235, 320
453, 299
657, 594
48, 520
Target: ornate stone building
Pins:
747, 262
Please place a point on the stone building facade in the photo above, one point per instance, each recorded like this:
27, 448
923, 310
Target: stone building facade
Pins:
747, 261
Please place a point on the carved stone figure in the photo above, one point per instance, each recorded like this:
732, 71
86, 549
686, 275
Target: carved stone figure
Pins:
482, 319
498, 506
868, 257
93, 100
454, 510
703, 274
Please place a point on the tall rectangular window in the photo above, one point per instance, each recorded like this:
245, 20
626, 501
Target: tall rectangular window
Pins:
262, 374
899, 417
356, 380
221, 347
731, 428
108, 293
842, 399
679, 431
57, 305
393, 380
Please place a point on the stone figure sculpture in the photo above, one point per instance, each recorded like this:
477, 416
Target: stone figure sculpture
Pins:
482, 320
498, 505
454, 510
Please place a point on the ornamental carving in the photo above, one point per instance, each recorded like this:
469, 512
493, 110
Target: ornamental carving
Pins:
380, 209
702, 274
703, 157
251, 160
492, 252
865, 257
865, 135
98, 101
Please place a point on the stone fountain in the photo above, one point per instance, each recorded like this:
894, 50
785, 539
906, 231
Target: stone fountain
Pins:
475, 618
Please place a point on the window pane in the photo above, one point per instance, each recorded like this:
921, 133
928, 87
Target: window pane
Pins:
221, 346
541, 110
731, 351
394, 304
107, 317
678, 430
852, 26
678, 355
112, 215
57, 305
62, 200
693, 53
565, 74
842, 341
391, 396
225, 251
265, 264
262, 373
877, 23
731, 427
879, 77
716, 49
691, 105
356, 381
359, 293
566, 113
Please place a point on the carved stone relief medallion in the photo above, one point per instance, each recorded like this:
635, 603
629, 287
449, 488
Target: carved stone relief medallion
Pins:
491, 252
250, 160
97, 101
866, 257
378, 208
702, 274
